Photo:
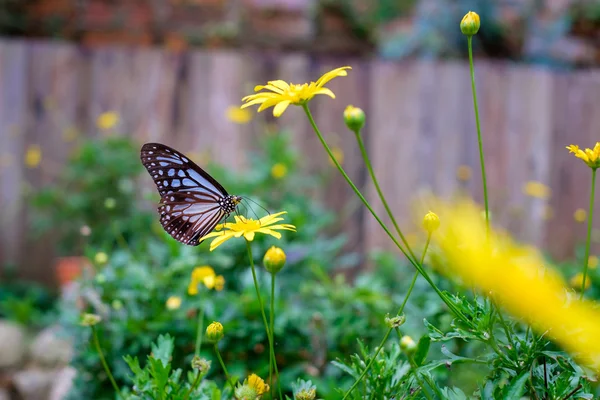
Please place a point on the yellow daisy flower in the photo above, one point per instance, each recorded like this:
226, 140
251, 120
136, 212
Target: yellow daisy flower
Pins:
536, 189
280, 94
248, 227
258, 384
107, 120
589, 156
205, 275
279, 171
580, 215
33, 156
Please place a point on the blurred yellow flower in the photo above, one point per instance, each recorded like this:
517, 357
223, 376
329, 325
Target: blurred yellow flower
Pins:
464, 172
580, 215
279, 171
593, 262
173, 302
238, 115
214, 332
101, 258
514, 274
576, 281
107, 120
248, 227
589, 156
536, 189
88, 319
33, 156
338, 154
280, 94
205, 275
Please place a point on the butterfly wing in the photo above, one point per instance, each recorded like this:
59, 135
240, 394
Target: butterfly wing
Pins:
189, 206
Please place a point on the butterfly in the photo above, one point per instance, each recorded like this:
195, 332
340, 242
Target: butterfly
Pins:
192, 202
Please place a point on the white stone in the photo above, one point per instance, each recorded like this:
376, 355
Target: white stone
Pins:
51, 347
12, 344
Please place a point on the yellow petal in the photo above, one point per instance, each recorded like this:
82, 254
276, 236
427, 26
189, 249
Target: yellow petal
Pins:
332, 74
282, 85
325, 91
280, 108
249, 236
271, 232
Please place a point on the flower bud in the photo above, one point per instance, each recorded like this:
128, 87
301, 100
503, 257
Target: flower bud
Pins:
354, 118
396, 321
101, 258
173, 303
274, 259
431, 222
201, 364
408, 345
470, 24
110, 203
214, 332
306, 394
88, 319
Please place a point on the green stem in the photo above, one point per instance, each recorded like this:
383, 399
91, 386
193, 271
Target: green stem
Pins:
387, 334
223, 366
200, 331
419, 381
367, 161
358, 193
264, 317
589, 233
272, 329
479, 140
103, 361
194, 385
505, 326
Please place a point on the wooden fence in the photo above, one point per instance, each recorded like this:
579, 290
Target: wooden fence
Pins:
420, 128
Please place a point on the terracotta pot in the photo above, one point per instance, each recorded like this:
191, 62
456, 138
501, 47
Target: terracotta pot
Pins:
69, 269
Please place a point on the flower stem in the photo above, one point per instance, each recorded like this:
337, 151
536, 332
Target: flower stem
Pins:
358, 193
272, 328
194, 385
479, 140
103, 361
262, 310
589, 233
387, 334
413, 365
223, 366
367, 161
199, 331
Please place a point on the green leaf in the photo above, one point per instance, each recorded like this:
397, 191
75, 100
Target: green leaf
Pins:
422, 349
163, 349
346, 369
516, 387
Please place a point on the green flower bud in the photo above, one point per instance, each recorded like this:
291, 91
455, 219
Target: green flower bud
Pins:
88, 319
201, 364
431, 222
214, 332
408, 345
470, 24
396, 321
354, 118
110, 203
274, 259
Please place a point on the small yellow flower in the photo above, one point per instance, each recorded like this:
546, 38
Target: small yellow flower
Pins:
470, 24
354, 118
88, 319
33, 156
589, 156
280, 95
536, 189
593, 262
279, 171
238, 115
338, 154
248, 227
107, 120
431, 222
464, 172
274, 259
580, 215
258, 384
214, 332
205, 275
576, 281
173, 303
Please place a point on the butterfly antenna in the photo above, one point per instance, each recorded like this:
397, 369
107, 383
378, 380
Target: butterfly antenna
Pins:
249, 199
253, 212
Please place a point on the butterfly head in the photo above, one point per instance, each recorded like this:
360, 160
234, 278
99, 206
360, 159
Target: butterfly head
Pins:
229, 203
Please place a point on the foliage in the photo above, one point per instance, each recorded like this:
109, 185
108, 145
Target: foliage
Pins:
26, 303
97, 189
